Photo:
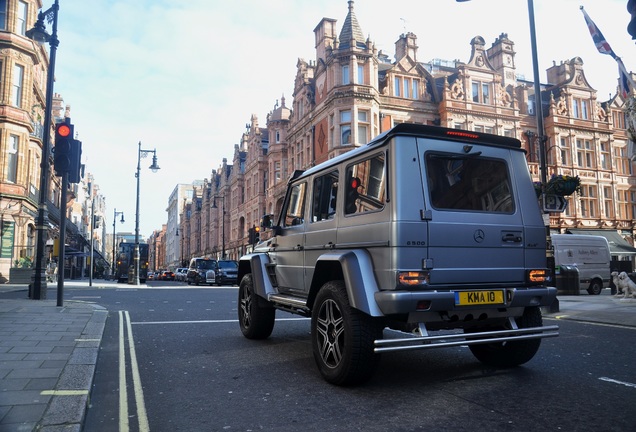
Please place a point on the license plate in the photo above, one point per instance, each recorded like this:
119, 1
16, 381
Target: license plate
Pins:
470, 298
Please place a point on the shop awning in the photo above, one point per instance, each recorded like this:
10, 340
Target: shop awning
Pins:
618, 245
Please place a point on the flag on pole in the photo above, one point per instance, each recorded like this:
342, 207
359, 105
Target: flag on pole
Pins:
626, 84
599, 40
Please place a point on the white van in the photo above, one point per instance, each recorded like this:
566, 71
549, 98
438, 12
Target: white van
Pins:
589, 254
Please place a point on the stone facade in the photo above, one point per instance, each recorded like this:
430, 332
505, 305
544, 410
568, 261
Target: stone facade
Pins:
351, 92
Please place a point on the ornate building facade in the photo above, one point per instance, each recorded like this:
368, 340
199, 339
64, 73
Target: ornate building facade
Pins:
351, 92
23, 79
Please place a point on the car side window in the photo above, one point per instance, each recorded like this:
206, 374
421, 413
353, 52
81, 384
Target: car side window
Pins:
295, 212
365, 185
324, 196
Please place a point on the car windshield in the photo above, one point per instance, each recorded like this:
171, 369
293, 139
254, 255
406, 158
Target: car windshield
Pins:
206, 264
228, 265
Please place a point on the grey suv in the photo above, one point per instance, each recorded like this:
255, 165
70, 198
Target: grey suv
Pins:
424, 229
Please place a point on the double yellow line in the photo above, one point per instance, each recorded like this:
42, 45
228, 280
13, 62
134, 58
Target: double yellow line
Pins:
124, 324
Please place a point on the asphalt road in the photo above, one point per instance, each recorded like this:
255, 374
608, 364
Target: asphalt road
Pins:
173, 359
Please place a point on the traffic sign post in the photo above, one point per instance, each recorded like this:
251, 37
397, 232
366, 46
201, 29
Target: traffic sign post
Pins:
554, 203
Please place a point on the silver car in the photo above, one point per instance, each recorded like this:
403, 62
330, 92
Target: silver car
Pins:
423, 229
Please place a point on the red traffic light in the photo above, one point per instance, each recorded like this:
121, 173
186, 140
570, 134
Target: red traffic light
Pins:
64, 130
355, 183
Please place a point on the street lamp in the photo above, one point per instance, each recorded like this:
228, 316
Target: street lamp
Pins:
38, 33
114, 258
154, 167
222, 197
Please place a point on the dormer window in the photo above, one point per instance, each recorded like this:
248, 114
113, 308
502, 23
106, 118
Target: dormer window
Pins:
580, 108
406, 87
481, 92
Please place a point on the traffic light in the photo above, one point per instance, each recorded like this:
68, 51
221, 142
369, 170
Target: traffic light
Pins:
95, 221
75, 168
250, 236
63, 147
257, 235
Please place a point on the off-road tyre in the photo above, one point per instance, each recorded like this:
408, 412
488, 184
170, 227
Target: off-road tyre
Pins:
512, 353
255, 319
343, 337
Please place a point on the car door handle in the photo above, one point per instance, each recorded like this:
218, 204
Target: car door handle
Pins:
330, 245
511, 238
298, 247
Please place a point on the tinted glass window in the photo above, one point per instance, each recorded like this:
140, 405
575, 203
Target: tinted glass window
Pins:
365, 185
295, 213
468, 183
324, 196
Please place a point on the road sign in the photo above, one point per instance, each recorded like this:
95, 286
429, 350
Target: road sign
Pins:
554, 203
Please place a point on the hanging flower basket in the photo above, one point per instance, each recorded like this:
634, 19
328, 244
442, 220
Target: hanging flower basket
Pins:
563, 185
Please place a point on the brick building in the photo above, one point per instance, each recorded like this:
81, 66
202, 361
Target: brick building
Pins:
351, 92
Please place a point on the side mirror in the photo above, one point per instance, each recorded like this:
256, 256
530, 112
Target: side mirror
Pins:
266, 221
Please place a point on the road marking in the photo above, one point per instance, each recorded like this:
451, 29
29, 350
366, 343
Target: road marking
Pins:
142, 417
209, 321
582, 321
123, 392
627, 384
139, 392
63, 392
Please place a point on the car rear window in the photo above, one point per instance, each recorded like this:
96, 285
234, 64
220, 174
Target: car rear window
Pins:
457, 182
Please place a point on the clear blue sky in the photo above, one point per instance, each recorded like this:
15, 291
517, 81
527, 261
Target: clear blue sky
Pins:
185, 77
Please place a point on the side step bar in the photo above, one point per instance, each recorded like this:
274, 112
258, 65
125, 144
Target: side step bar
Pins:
456, 339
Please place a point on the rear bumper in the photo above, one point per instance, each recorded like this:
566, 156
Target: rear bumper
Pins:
405, 302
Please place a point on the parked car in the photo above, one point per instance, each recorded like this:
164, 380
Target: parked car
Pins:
167, 275
151, 276
198, 269
226, 272
180, 274
422, 229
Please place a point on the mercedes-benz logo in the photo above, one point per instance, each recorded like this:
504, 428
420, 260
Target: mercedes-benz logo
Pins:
479, 236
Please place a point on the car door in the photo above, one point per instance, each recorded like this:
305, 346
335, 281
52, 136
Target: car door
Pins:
288, 252
475, 228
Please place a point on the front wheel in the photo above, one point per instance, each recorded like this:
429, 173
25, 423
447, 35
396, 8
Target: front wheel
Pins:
596, 287
512, 353
343, 337
256, 320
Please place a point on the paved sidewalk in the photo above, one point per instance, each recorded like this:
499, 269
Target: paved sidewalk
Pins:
47, 360
48, 353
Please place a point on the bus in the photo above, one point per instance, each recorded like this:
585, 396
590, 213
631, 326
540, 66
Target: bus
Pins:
125, 269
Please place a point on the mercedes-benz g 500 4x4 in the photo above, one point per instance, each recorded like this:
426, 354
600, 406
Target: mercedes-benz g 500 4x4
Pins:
433, 232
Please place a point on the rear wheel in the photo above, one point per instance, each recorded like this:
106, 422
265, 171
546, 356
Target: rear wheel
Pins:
343, 337
255, 319
512, 353
596, 287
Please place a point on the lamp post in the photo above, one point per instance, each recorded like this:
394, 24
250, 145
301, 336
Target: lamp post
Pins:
38, 33
154, 167
222, 197
114, 258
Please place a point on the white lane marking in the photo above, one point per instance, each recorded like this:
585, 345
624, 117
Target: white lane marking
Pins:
123, 393
627, 384
210, 321
139, 392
